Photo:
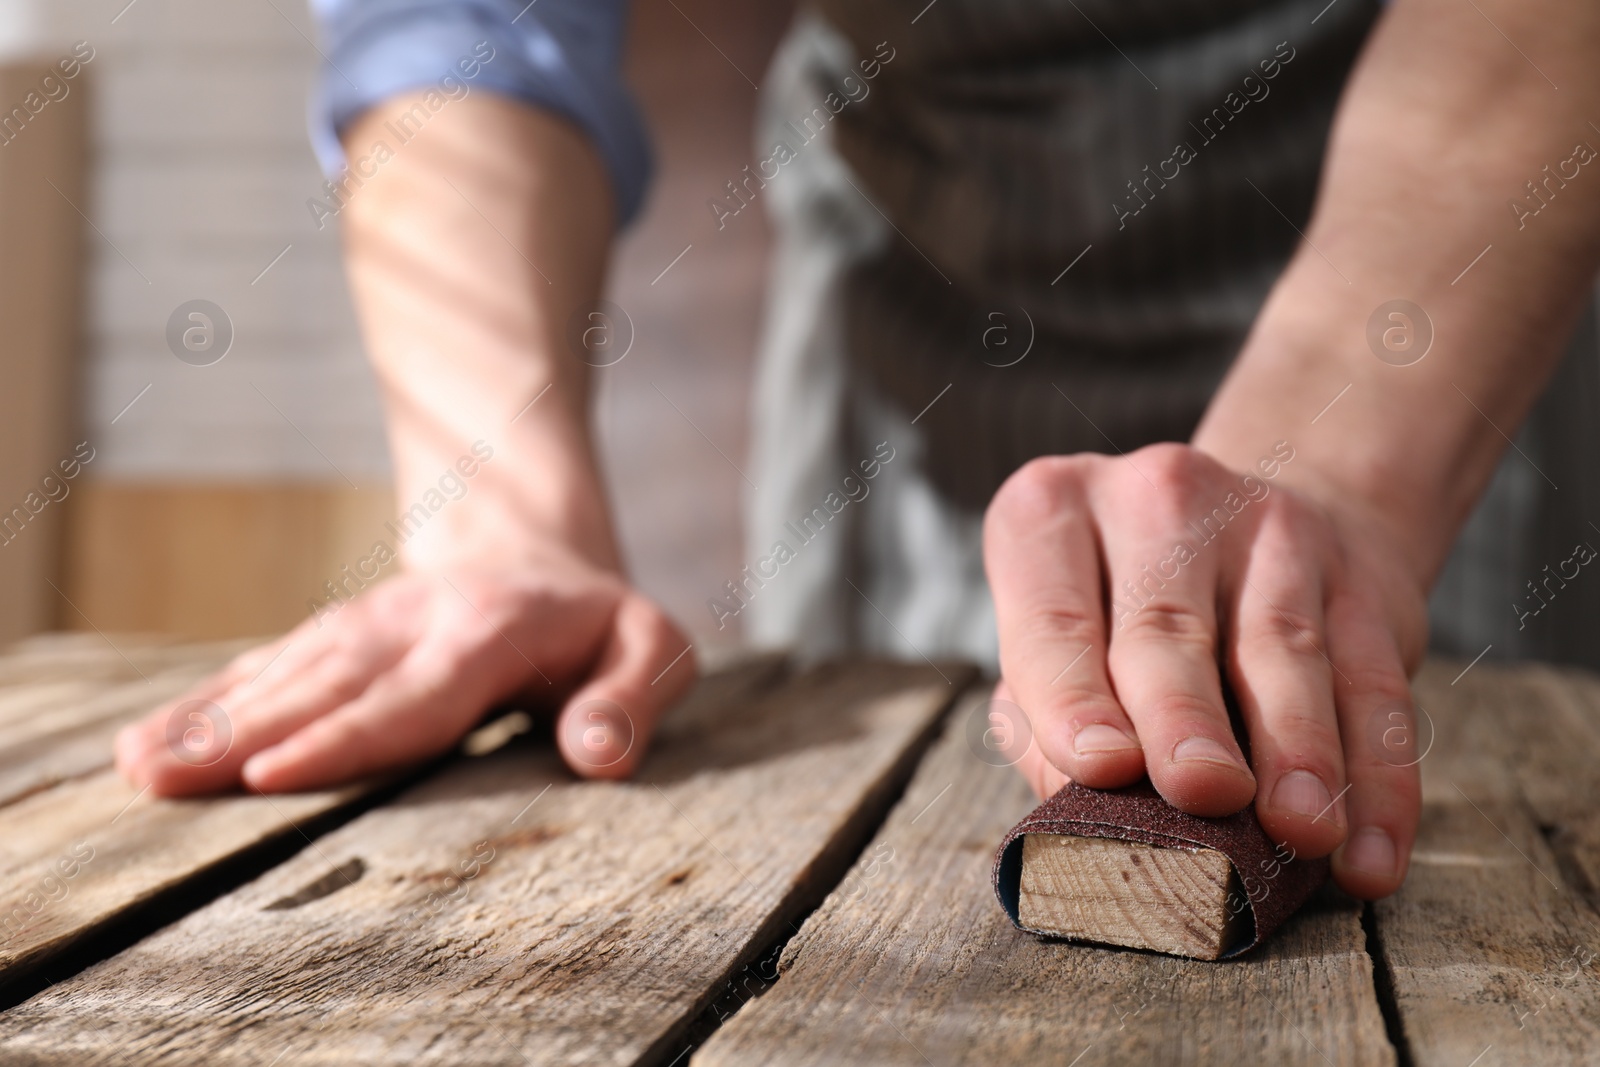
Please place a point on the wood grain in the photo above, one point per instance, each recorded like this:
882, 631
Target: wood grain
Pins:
64, 696
65, 656
502, 912
1490, 950
1126, 893
61, 730
913, 962
1556, 761
81, 847
75, 857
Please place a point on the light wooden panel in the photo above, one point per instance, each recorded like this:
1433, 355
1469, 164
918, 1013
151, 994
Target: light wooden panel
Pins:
40, 253
212, 561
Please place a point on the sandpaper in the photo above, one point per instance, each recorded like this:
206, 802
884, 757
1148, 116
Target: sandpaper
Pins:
1275, 882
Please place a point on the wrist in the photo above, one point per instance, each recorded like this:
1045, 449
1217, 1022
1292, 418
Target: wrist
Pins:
1306, 382
533, 497
498, 535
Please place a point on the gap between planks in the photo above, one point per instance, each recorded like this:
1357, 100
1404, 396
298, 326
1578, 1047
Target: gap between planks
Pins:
1492, 953
759, 972
591, 931
911, 961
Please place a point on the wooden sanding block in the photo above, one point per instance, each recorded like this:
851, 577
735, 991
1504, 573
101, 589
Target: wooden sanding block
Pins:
1124, 867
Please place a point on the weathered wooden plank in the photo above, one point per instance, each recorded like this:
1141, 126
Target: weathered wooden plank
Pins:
24, 703
1555, 755
92, 657
59, 730
76, 857
64, 696
912, 961
502, 912
1489, 950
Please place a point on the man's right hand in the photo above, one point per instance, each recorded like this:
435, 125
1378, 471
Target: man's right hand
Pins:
402, 672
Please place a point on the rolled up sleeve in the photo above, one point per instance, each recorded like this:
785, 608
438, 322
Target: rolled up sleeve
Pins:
560, 55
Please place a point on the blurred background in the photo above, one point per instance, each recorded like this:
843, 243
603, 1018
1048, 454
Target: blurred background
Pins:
217, 500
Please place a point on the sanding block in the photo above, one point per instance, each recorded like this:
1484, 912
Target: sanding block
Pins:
1124, 867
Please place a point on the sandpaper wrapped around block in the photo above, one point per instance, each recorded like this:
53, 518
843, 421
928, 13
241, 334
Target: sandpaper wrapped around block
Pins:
1271, 882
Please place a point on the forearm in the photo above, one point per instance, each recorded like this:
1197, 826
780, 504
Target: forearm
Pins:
469, 252
1444, 123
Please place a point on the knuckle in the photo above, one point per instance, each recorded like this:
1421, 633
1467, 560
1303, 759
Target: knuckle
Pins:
1391, 796
246, 664
1306, 732
1377, 684
1182, 708
1297, 631
1081, 703
1040, 489
1171, 467
1298, 522
656, 626
1168, 620
1063, 623
1167, 485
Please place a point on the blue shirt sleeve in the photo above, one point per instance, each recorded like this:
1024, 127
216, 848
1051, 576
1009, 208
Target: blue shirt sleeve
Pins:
561, 55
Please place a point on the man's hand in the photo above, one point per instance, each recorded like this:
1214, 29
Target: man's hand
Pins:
1121, 584
516, 587
1312, 596
403, 671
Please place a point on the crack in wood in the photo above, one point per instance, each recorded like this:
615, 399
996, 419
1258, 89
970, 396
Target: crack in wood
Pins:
1383, 982
347, 873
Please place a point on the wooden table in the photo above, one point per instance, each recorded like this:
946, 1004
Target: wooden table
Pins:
799, 876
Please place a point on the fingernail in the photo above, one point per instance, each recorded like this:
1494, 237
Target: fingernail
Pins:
1371, 850
601, 734
1302, 793
257, 767
1204, 749
1098, 737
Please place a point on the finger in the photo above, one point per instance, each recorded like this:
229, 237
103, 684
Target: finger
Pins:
250, 717
136, 742
414, 711
1162, 578
605, 726
1382, 747
1283, 680
1040, 774
147, 740
1043, 566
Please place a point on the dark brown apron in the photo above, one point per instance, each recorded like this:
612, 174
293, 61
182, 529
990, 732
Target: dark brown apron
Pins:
1081, 285
1006, 138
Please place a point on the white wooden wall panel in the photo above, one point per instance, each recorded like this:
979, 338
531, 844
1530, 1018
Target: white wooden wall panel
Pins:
202, 170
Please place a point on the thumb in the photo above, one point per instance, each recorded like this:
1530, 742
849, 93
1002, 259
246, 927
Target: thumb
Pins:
647, 664
1036, 770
